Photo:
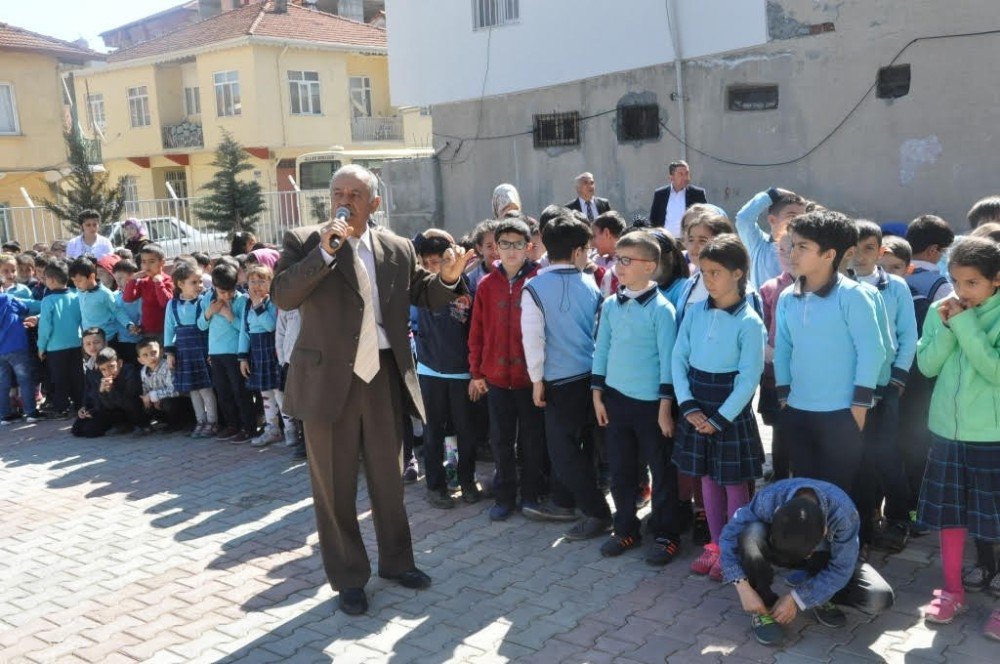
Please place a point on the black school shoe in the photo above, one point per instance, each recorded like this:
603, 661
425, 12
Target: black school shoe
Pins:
413, 579
616, 545
662, 551
471, 493
441, 501
892, 536
589, 528
352, 601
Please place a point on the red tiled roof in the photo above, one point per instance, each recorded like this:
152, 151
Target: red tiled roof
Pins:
13, 38
259, 20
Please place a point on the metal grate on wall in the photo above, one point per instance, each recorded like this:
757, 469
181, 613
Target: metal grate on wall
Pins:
556, 129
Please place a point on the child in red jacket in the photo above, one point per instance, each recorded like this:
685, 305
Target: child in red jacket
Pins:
499, 371
154, 287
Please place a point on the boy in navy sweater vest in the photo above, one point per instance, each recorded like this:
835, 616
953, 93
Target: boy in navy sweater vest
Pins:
558, 317
633, 395
442, 340
828, 352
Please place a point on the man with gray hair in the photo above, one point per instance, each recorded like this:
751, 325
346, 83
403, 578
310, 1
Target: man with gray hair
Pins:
351, 375
586, 202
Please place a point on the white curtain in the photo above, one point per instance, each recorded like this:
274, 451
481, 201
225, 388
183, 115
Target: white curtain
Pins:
8, 115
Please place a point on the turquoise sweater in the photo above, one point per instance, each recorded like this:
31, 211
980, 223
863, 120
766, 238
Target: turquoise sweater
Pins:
223, 335
828, 349
635, 338
99, 308
262, 319
720, 341
60, 321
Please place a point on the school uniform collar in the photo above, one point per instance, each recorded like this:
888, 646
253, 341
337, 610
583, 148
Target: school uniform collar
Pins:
525, 268
881, 281
642, 297
96, 288
731, 309
799, 289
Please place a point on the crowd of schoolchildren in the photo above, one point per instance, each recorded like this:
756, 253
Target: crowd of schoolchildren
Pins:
620, 357
591, 356
124, 343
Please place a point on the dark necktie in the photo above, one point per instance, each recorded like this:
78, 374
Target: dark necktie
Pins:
590, 211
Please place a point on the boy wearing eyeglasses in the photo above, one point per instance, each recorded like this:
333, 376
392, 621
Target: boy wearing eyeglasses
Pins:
442, 343
633, 394
499, 372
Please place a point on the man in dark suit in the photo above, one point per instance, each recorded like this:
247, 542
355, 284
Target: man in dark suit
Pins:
670, 202
586, 202
351, 374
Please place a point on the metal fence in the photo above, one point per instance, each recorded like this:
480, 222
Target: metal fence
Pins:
173, 223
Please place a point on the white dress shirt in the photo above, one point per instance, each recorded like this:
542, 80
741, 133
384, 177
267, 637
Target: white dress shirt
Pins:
101, 248
363, 248
593, 208
533, 330
676, 207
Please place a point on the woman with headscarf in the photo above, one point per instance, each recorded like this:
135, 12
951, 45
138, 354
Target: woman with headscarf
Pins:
505, 199
134, 232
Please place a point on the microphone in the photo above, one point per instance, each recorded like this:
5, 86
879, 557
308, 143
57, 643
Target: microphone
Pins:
342, 214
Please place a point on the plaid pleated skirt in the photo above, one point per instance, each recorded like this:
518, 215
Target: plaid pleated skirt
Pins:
731, 456
961, 488
265, 372
191, 359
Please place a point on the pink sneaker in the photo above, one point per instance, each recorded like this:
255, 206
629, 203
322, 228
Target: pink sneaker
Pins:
709, 557
944, 607
715, 574
992, 629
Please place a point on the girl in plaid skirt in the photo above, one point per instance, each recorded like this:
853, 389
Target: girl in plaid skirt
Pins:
717, 364
186, 348
960, 346
257, 353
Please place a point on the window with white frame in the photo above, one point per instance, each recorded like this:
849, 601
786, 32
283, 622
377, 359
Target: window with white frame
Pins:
8, 110
95, 111
494, 13
227, 93
130, 189
361, 97
178, 182
303, 91
138, 106
192, 101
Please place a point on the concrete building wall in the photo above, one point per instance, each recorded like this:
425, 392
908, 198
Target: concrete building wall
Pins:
436, 56
927, 152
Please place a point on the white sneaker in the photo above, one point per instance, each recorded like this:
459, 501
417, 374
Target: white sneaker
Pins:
270, 435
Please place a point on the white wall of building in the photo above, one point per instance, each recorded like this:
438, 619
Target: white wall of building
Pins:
436, 57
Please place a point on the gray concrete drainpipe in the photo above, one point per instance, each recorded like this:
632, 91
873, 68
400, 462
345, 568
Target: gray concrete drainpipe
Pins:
678, 95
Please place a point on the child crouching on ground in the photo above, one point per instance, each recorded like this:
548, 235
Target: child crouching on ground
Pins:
119, 400
159, 398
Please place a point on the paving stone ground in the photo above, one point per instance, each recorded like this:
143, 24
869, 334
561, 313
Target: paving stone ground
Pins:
167, 549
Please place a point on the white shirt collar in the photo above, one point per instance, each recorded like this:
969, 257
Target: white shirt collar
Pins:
927, 265
365, 239
676, 191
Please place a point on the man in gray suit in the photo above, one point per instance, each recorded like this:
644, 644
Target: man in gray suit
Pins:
351, 375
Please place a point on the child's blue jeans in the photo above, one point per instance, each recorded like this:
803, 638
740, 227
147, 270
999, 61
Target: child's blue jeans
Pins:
17, 364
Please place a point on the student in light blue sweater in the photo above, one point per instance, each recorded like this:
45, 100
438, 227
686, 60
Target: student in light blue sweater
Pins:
59, 339
128, 335
98, 307
782, 206
633, 395
828, 352
558, 315
223, 308
882, 470
258, 354
717, 364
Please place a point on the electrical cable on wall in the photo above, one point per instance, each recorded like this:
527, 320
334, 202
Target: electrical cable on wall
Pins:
704, 153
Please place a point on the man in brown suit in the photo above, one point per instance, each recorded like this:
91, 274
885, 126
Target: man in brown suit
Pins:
350, 372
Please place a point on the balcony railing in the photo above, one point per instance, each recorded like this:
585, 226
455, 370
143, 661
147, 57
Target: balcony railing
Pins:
183, 135
92, 148
377, 129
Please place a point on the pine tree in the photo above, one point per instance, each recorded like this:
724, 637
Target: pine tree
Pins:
233, 205
87, 189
